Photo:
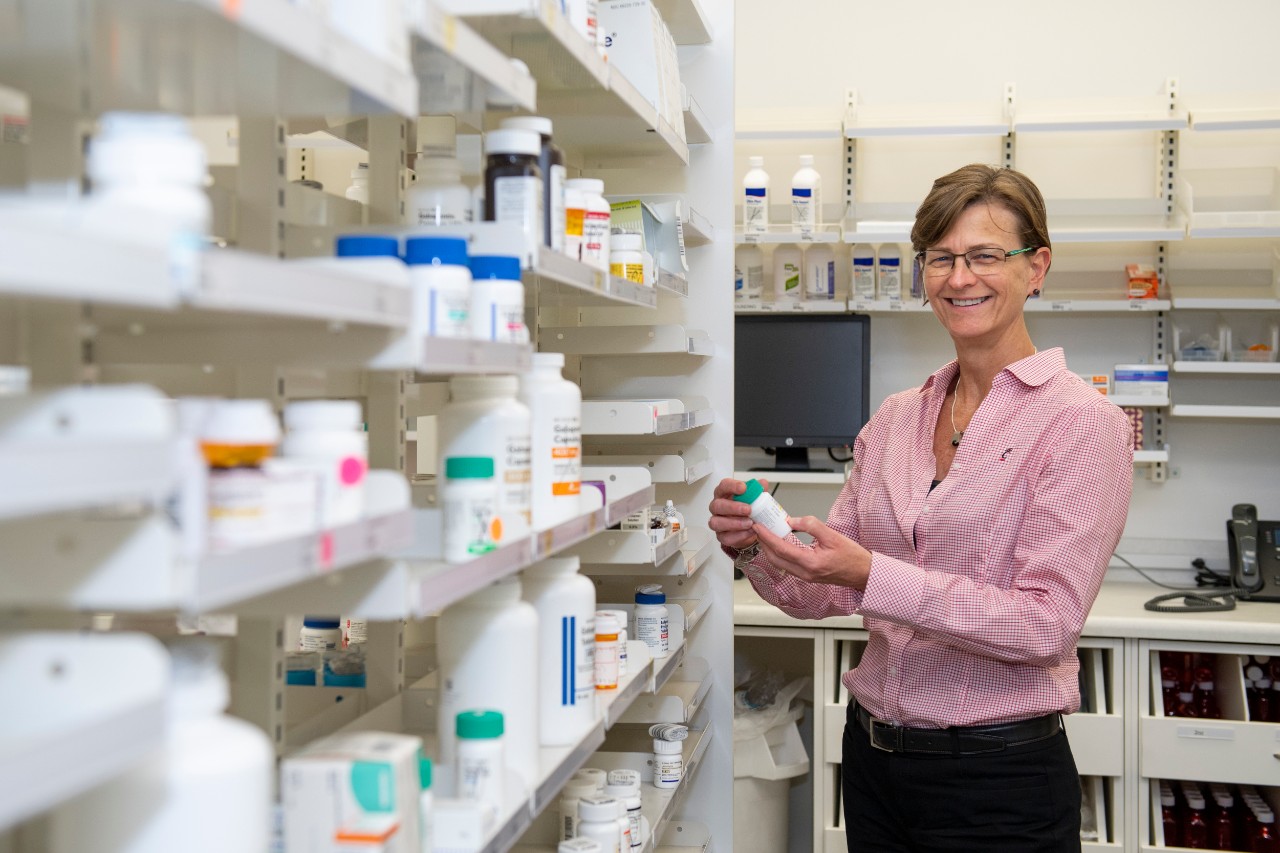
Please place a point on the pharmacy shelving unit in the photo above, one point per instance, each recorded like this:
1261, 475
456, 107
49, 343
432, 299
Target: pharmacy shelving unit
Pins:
246, 322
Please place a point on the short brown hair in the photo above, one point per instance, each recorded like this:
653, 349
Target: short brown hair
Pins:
978, 184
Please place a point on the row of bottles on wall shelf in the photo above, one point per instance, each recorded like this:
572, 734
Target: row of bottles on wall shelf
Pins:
806, 197
811, 274
1215, 816
1193, 684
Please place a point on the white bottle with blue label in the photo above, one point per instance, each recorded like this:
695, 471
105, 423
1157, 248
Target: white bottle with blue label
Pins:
819, 273
806, 197
889, 272
755, 199
566, 605
864, 273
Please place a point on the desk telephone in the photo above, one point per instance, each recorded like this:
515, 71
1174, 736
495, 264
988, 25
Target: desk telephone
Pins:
1254, 549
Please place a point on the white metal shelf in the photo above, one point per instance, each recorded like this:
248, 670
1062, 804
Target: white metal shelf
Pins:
594, 107
685, 465
1229, 368
1048, 121
464, 46
626, 340
794, 306
1097, 306
871, 126
302, 65
1234, 202
627, 552
77, 448
644, 417
72, 722
673, 283
1263, 413
434, 585
1141, 401
562, 280
698, 230
697, 124
1203, 303
1261, 118
134, 564
679, 698
1107, 228
686, 20
448, 356
829, 233
889, 306
1150, 457
877, 231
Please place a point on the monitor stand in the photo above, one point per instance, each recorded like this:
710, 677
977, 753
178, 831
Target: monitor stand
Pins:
793, 459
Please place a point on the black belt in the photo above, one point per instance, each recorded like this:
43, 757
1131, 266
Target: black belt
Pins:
958, 740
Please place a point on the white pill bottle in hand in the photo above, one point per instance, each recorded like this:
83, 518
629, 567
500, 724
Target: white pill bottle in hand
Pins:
764, 509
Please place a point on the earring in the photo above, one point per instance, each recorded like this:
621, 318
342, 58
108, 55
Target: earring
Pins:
1035, 292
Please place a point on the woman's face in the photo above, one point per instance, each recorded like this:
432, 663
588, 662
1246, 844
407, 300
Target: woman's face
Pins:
980, 303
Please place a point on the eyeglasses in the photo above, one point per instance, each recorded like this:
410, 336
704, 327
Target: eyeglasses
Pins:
984, 261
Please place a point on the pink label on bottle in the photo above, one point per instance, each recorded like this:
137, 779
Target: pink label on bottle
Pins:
325, 550
351, 470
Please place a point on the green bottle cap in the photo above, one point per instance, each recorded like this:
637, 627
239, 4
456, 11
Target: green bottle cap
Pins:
479, 724
424, 771
754, 490
468, 467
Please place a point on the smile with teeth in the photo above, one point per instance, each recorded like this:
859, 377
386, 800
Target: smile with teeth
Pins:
965, 303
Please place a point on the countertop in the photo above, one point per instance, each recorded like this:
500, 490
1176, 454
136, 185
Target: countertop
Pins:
1118, 612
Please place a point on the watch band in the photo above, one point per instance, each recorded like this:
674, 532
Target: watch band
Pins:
746, 555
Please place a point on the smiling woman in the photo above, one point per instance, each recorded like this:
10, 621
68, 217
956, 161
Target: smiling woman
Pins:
972, 536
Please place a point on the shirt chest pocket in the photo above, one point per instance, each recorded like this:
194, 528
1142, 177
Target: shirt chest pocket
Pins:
971, 514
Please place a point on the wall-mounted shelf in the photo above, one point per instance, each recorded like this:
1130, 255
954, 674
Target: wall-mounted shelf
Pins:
1241, 202
639, 417
1260, 413
686, 20
1229, 368
680, 697
1238, 119
564, 281
1104, 228
793, 306
877, 231
594, 107
627, 552
465, 47
866, 124
1097, 306
626, 340
448, 356
685, 465
829, 233
1141, 401
133, 564
1047, 121
1150, 457
75, 723
299, 65
672, 283
698, 230
697, 124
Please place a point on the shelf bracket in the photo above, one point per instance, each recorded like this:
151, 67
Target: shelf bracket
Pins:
1008, 150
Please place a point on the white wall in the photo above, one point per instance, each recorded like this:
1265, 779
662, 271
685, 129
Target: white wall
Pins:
795, 61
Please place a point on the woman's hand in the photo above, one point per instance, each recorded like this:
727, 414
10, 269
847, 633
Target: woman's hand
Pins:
730, 519
832, 559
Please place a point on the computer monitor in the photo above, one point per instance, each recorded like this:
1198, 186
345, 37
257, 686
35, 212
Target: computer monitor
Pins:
800, 381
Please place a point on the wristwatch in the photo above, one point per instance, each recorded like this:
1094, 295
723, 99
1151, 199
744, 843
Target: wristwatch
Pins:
746, 555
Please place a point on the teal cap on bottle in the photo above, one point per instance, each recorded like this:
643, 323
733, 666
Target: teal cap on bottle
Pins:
468, 467
479, 724
754, 490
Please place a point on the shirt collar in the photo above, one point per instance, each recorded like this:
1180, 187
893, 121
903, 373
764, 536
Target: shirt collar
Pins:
1032, 371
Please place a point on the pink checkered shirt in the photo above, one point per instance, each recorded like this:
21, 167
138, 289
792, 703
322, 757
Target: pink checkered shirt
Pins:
978, 589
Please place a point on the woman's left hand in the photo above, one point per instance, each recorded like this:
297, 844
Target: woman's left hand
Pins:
833, 557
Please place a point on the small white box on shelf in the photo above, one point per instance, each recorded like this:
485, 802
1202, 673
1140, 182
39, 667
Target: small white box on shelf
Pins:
642, 49
1145, 379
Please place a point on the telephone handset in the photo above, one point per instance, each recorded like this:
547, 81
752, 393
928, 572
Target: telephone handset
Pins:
1254, 549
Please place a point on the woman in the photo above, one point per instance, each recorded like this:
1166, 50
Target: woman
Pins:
972, 536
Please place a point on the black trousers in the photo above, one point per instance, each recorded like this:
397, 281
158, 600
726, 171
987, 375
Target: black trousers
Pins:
1025, 798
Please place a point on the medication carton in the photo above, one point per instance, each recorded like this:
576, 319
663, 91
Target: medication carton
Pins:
1144, 282
1145, 379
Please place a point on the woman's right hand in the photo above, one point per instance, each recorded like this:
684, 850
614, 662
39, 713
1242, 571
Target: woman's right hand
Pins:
731, 520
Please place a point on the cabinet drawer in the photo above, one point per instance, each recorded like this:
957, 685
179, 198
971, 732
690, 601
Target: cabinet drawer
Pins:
1097, 742
833, 717
1209, 750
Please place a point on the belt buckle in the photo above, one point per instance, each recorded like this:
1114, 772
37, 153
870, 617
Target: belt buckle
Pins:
891, 734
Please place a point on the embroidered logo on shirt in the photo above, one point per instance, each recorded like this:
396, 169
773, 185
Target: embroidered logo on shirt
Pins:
1005, 455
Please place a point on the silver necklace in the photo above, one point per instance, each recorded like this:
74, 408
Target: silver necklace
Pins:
956, 434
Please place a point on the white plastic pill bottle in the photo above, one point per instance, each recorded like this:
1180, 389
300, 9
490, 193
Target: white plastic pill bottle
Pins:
624, 785
469, 498
374, 256
329, 436
864, 272
566, 605
582, 784
484, 418
652, 623
497, 300
626, 257
438, 196
598, 820
575, 214
440, 280
889, 275
555, 409
359, 189
606, 656
595, 223
806, 197
320, 634
623, 619
755, 199
668, 763
764, 509
749, 266
487, 645
819, 273
788, 272
206, 788
481, 765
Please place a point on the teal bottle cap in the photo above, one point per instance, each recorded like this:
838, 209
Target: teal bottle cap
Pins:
754, 490
424, 771
468, 467
479, 724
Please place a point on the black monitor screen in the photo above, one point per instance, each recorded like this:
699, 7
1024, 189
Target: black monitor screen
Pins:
800, 381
